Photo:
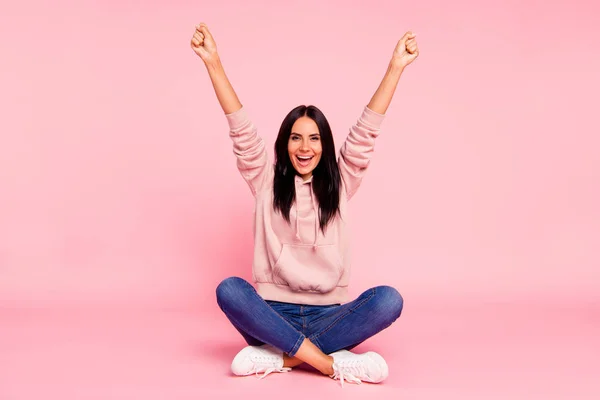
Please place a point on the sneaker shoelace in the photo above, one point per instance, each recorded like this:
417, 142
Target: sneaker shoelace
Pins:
264, 363
348, 370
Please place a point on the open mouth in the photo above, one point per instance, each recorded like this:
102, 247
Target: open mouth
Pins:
304, 161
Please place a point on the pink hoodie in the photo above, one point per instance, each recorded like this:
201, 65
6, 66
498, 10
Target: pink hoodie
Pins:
294, 262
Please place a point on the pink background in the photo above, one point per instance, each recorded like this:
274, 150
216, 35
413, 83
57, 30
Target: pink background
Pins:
483, 192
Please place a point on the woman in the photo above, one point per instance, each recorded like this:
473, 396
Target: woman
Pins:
298, 312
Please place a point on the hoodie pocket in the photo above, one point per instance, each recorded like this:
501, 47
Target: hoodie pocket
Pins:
304, 268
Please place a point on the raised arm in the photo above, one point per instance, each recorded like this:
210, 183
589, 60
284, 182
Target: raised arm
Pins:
204, 46
355, 153
248, 146
406, 51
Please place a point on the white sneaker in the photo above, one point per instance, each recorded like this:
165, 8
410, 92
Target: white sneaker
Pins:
256, 359
355, 368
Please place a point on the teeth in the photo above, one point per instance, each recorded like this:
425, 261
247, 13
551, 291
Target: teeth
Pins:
304, 158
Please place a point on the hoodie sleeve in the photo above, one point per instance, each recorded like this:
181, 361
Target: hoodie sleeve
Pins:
356, 151
249, 149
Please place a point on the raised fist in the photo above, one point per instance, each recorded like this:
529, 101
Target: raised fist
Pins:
203, 43
406, 50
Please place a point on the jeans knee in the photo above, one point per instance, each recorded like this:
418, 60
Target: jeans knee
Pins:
229, 289
391, 301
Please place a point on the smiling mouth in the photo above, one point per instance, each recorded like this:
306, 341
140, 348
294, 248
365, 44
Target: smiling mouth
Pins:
304, 160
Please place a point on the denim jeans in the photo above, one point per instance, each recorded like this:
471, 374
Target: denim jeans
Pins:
285, 325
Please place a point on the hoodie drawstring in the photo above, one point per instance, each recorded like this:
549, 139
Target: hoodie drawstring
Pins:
316, 210
297, 228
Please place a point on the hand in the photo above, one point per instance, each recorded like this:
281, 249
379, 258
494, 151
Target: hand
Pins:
406, 50
204, 44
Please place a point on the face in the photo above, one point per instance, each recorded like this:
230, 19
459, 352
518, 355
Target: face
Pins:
304, 146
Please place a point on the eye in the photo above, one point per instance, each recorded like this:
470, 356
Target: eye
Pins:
315, 138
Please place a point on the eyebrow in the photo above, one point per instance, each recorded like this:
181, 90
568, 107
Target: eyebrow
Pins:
312, 134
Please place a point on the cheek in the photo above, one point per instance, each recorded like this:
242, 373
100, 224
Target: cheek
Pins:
291, 148
318, 149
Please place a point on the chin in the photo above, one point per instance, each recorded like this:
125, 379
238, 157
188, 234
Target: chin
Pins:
304, 171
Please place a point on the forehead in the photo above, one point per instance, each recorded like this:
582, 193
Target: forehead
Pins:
305, 126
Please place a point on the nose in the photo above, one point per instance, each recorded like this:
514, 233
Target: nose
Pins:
304, 145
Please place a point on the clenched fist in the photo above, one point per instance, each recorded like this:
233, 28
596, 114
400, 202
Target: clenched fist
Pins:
204, 44
406, 50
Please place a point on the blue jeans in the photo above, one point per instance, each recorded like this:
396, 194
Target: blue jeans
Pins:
285, 325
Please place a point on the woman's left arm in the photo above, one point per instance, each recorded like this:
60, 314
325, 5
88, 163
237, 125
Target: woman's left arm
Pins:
406, 51
355, 153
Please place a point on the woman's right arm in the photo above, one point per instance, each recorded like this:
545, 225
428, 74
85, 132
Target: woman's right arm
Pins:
248, 146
